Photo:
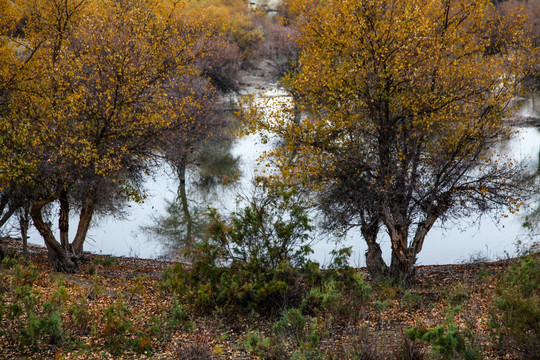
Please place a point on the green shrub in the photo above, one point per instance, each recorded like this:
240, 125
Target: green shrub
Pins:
383, 305
79, 319
342, 294
91, 269
179, 318
516, 309
117, 327
11, 261
329, 299
447, 339
251, 261
170, 319
458, 295
267, 348
106, 261
48, 324
305, 335
411, 300
360, 290
31, 322
293, 324
256, 343
339, 262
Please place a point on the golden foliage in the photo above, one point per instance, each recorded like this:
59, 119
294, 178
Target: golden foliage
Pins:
414, 74
401, 105
94, 83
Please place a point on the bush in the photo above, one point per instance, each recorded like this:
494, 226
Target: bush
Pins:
268, 348
169, 320
305, 335
448, 340
30, 323
383, 305
516, 309
327, 298
360, 290
253, 260
79, 318
458, 295
272, 229
117, 327
341, 291
410, 300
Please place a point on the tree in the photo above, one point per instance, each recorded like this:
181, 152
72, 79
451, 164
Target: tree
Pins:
98, 106
532, 9
279, 48
14, 196
403, 109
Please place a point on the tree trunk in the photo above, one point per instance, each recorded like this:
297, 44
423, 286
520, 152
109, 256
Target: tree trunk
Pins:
7, 215
402, 269
374, 261
24, 223
61, 261
63, 220
85, 218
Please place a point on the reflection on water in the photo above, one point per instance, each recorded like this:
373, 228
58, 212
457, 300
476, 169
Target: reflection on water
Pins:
448, 243
183, 218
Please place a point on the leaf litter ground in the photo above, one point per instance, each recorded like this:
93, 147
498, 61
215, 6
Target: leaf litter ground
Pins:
136, 282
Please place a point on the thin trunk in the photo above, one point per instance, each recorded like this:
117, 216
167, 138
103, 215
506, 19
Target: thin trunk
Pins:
296, 119
85, 218
10, 211
58, 257
24, 223
4, 201
63, 220
421, 232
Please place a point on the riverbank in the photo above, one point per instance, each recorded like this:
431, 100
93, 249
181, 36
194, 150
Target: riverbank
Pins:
125, 298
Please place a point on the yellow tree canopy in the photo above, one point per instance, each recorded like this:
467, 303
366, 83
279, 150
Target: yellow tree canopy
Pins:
89, 93
401, 102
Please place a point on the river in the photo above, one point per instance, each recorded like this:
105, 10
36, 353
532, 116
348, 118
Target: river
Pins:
459, 241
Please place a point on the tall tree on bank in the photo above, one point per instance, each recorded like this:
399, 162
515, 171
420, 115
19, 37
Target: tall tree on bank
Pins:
403, 109
96, 104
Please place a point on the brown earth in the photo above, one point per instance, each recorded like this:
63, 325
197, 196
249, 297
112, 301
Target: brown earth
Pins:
379, 324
